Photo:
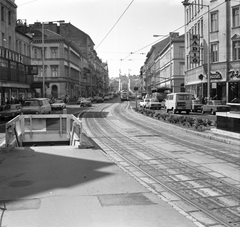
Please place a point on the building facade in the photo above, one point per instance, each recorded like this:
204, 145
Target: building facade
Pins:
164, 66
169, 65
71, 65
212, 46
15, 56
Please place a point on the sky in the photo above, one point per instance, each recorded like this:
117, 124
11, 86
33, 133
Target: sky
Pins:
122, 30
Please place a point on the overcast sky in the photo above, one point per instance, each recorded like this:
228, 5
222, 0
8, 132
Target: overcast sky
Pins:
132, 33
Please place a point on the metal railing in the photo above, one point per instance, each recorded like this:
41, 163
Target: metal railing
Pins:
56, 128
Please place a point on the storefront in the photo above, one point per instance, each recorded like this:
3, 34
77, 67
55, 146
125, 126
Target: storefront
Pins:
234, 86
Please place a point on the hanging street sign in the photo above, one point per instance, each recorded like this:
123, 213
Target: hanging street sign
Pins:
195, 48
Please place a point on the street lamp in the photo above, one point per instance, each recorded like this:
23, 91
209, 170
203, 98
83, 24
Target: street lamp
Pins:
43, 57
185, 4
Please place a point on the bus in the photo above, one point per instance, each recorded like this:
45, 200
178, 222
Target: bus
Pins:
124, 95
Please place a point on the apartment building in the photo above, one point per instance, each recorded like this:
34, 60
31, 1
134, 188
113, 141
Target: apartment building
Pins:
169, 65
212, 47
164, 66
71, 65
15, 56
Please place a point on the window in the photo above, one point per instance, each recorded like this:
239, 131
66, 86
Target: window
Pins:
54, 52
2, 13
10, 42
181, 52
54, 70
214, 22
3, 39
181, 68
236, 17
214, 52
236, 50
201, 27
17, 45
9, 18
35, 53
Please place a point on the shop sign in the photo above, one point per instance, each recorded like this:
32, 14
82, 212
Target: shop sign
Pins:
215, 75
234, 73
195, 48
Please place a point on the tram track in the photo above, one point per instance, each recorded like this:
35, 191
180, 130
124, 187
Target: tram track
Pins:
208, 194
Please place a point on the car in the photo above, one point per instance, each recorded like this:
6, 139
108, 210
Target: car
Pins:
106, 97
10, 111
79, 100
213, 106
36, 106
100, 99
143, 103
196, 106
58, 104
153, 104
86, 102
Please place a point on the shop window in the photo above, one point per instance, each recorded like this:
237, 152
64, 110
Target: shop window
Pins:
214, 22
236, 50
214, 52
236, 17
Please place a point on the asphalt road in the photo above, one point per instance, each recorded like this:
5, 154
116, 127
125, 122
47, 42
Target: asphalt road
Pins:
73, 108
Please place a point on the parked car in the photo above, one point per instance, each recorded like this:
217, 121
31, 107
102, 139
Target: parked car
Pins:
153, 104
10, 111
106, 97
59, 104
80, 99
214, 106
196, 105
143, 103
36, 106
86, 102
100, 99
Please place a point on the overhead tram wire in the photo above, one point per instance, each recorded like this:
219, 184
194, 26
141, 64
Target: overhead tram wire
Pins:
173, 31
115, 23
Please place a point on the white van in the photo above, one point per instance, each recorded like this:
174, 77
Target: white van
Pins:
36, 106
178, 102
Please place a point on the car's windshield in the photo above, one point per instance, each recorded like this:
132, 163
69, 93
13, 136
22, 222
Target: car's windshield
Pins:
154, 100
218, 102
59, 101
31, 103
183, 97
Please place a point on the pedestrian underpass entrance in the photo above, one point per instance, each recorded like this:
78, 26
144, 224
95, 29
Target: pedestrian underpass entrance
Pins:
43, 130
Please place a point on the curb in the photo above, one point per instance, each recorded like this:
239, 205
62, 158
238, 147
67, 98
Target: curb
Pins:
213, 134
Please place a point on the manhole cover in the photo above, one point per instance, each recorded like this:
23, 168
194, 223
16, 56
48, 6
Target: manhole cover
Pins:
21, 183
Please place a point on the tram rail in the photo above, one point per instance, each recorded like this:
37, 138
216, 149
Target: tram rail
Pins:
211, 195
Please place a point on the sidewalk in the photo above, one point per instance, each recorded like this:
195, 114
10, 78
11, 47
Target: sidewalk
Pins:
68, 187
